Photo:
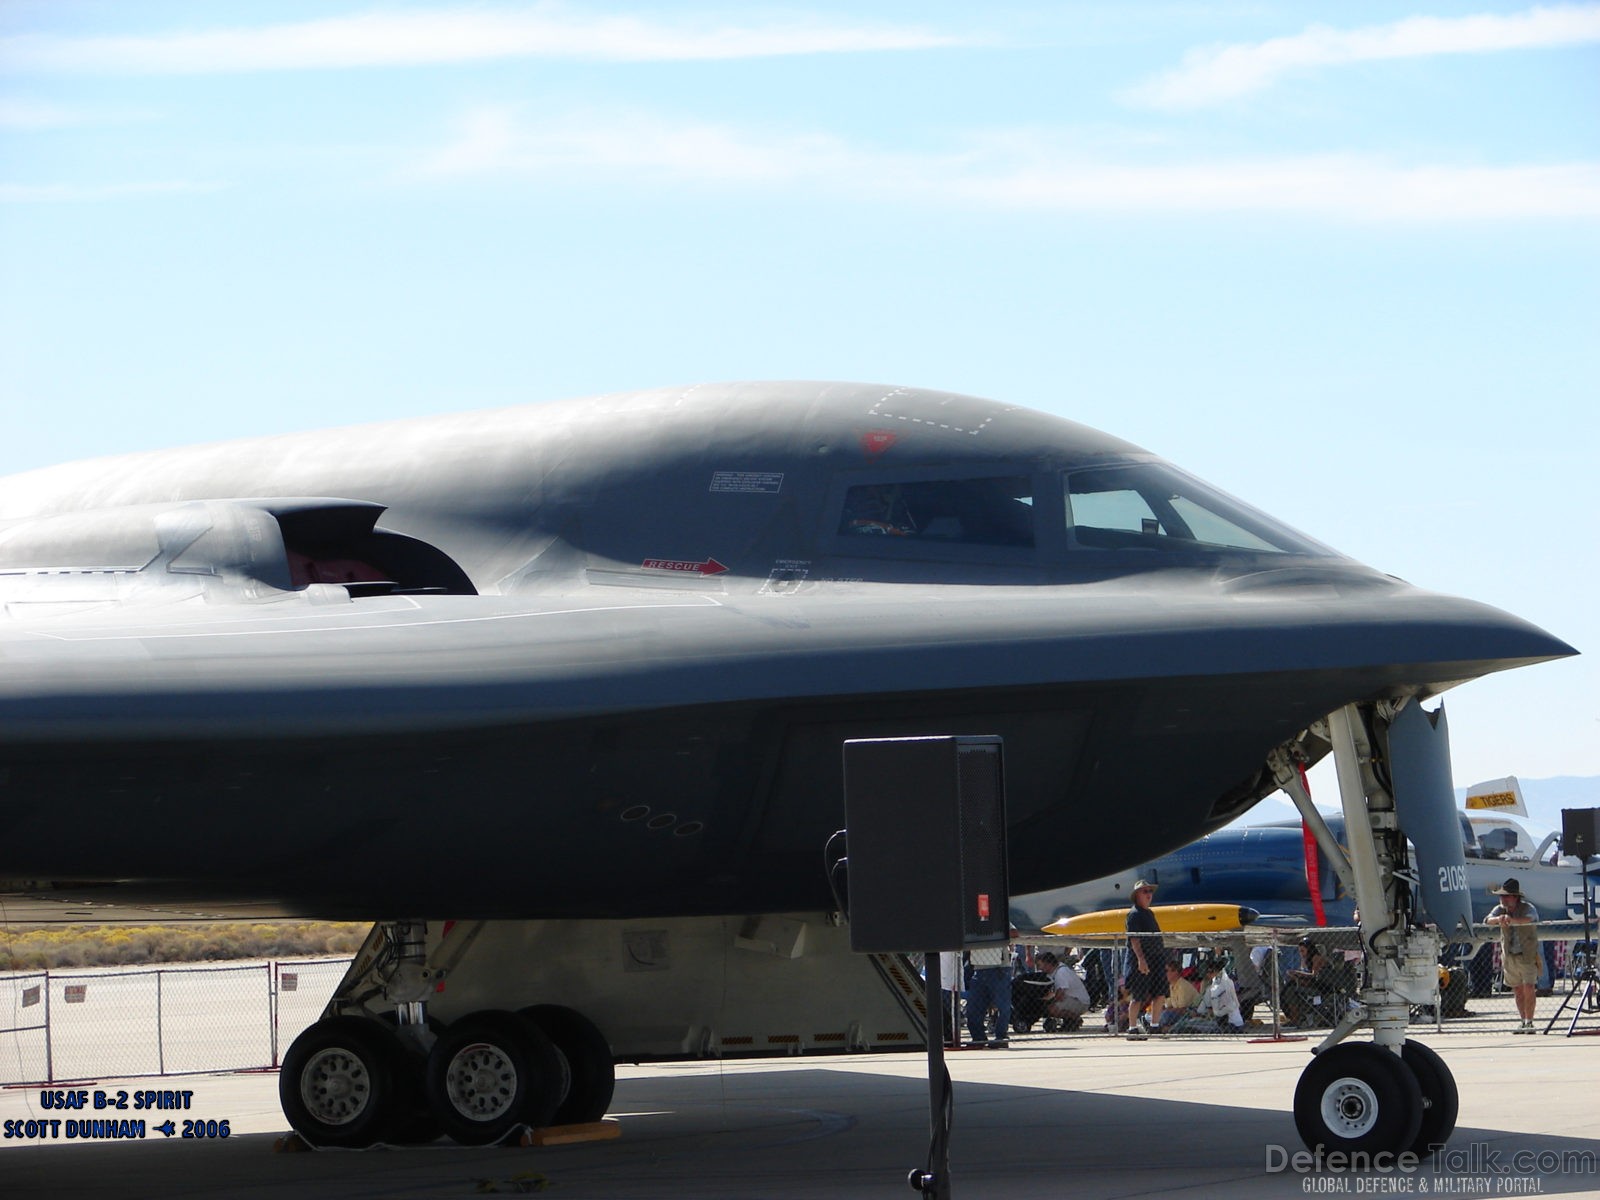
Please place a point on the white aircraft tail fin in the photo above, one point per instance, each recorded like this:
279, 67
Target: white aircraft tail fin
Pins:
1497, 795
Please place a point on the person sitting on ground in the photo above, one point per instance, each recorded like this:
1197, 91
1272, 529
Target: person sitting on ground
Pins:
1117, 1011
1246, 976
1182, 997
1311, 994
1221, 998
1068, 998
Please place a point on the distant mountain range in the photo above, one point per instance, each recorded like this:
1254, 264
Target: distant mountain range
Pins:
1546, 798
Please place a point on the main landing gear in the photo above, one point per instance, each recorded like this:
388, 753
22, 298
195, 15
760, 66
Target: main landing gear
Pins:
353, 1080
1389, 1095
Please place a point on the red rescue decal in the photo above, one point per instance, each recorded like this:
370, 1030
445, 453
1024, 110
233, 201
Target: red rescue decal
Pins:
709, 567
877, 441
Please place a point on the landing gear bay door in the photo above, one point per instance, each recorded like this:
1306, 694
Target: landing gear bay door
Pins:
1425, 802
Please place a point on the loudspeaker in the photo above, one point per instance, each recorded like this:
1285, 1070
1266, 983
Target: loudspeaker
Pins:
927, 843
1580, 832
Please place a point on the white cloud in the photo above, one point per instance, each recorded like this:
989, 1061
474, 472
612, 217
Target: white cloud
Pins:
1350, 187
502, 141
75, 193
452, 35
1218, 73
33, 114
1015, 170
20, 113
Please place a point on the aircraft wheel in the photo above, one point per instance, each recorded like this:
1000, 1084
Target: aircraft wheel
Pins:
1358, 1096
338, 1082
1438, 1092
490, 1072
592, 1070
414, 1122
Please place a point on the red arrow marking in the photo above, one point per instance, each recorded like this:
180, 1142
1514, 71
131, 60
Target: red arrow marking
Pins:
709, 567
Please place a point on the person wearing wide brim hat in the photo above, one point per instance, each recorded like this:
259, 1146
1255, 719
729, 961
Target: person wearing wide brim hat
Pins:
1519, 948
1147, 972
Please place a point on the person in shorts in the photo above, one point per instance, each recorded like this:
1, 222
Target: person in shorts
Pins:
1147, 968
1519, 948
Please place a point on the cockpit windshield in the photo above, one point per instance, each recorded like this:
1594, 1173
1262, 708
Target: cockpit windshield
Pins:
1154, 506
975, 512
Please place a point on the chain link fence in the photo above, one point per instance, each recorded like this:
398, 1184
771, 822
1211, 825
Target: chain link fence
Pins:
1316, 984
128, 1022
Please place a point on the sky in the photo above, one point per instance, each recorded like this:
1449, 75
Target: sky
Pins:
1339, 259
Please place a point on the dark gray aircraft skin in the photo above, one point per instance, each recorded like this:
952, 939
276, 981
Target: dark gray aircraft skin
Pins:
598, 658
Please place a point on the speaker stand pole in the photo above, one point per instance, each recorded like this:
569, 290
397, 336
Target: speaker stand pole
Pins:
933, 1180
1586, 984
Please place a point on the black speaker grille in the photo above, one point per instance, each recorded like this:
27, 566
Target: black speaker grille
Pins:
926, 818
983, 842
1580, 831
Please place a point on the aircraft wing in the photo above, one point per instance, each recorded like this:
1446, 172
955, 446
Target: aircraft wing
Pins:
336, 664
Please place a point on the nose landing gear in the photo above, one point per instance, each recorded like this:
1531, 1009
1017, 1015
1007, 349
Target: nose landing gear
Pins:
1388, 1095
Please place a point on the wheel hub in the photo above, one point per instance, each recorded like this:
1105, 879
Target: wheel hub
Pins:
1349, 1107
481, 1081
335, 1086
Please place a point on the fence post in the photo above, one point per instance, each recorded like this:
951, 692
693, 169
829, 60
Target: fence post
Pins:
272, 1009
49, 1053
1277, 985
161, 1037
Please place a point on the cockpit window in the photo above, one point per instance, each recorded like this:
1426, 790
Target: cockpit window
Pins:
1154, 506
973, 512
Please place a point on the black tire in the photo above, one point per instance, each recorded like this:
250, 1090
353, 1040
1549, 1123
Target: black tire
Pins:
339, 1082
414, 1122
1441, 1100
489, 1073
592, 1069
1358, 1096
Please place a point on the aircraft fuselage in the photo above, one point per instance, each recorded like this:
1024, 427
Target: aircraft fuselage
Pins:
599, 658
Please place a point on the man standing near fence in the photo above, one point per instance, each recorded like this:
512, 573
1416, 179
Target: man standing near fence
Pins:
1519, 948
1147, 973
990, 988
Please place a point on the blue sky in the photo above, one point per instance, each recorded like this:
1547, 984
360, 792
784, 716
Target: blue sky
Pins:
1342, 260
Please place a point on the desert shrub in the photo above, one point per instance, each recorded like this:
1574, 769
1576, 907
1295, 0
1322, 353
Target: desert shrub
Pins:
200, 941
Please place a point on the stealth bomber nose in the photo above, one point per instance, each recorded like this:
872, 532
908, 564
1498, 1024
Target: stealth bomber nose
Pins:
1450, 639
1346, 616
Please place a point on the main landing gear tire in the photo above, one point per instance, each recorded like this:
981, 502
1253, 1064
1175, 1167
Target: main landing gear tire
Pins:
340, 1082
592, 1070
1358, 1097
490, 1072
414, 1122
1442, 1101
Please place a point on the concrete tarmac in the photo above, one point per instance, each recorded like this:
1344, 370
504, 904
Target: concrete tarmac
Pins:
1084, 1117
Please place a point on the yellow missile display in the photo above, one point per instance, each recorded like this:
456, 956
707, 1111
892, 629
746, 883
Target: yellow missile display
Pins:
1173, 918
